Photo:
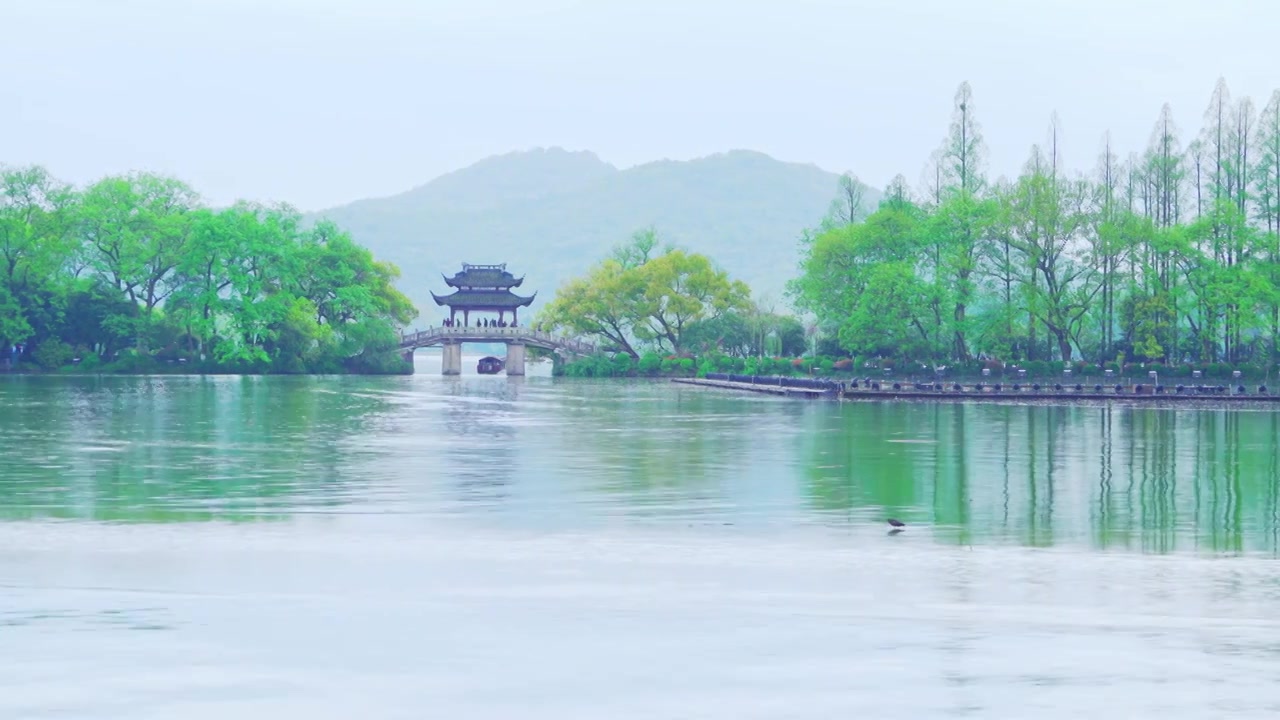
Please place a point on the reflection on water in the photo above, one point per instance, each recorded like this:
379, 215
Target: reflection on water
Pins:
575, 454
160, 449
539, 548
1146, 479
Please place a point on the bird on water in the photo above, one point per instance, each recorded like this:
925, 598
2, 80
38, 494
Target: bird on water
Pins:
896, 526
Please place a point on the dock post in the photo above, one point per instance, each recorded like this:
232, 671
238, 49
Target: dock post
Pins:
515, 359
451, 359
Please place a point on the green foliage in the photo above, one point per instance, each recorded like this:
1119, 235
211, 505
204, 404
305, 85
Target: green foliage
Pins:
623, 365
742, 334
134, 270
789, 335
52, 354
650, 363
636, 298
1170, 257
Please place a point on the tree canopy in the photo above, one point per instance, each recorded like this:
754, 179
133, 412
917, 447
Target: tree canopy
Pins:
1171, 254
640, 297
134, 270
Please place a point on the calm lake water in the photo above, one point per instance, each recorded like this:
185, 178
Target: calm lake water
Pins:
478, 547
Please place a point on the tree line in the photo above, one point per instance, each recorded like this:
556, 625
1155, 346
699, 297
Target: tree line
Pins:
1168, 254
133, 272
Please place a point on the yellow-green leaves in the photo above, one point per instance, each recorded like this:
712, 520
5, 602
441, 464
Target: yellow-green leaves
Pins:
634, 297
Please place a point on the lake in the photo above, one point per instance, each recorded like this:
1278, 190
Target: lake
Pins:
479, 547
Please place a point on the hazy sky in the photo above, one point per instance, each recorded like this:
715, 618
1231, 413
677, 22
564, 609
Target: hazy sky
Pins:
318, 102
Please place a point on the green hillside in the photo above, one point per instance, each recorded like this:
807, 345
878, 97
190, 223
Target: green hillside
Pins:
549, 214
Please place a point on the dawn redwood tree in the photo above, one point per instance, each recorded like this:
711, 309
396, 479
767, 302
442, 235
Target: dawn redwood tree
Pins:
1166, 254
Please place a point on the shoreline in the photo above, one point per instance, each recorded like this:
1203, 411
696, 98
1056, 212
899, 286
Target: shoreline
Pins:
906, 392
57, 373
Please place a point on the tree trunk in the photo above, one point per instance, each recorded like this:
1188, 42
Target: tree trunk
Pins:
961, 345
1064, 344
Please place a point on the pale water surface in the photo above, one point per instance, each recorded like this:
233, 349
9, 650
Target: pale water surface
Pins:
478, 547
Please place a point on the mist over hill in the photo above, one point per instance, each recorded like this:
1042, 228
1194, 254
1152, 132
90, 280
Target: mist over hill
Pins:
551, 213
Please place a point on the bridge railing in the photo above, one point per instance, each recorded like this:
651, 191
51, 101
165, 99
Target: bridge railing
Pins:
498, 334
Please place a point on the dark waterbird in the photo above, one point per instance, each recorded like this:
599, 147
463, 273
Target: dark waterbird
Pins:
896, 526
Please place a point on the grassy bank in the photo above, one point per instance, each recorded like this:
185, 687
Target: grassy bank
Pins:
388, 364
657, 365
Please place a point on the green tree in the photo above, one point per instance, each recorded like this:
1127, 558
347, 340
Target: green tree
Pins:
36, 247
636, 298
136, 262
680, 289
601, 304
847, 273
849, 205
962, 219
1049, 219
136, 227
1266, 192
1169, 254
730, 333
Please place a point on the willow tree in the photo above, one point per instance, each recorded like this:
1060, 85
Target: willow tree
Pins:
634, 297
1049, 219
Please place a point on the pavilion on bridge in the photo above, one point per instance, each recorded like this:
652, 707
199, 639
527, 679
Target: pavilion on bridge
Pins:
483, 289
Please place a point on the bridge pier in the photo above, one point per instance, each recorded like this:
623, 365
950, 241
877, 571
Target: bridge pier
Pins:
515, 359
451, 358
517, 339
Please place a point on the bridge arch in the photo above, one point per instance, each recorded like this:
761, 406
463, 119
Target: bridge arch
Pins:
515, 338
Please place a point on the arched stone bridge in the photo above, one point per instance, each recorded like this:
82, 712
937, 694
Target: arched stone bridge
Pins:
515, 338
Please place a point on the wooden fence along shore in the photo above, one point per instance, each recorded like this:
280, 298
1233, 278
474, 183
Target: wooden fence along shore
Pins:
869, 389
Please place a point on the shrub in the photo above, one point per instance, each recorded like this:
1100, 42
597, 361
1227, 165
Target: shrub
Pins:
1036, 368
622, 365
1218, 370
650, 363
53, 354
89, 360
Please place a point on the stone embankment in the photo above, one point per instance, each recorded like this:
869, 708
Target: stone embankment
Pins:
869, 389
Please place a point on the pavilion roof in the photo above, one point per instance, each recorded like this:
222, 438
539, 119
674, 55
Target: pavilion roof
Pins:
483, 276
483, 299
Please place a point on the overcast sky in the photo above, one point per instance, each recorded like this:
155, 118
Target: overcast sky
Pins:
319, 102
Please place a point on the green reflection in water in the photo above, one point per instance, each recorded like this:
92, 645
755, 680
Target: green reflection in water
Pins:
665, 450
1146, 479
187, 449
175, 449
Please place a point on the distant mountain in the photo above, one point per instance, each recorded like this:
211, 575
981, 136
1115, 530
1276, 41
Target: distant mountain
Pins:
550, 214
